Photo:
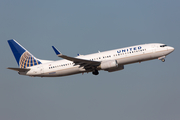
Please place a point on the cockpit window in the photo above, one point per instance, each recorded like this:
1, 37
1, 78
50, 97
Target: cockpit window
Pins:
163, 45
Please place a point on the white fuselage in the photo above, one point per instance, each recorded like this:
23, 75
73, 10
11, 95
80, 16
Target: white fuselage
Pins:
123, 56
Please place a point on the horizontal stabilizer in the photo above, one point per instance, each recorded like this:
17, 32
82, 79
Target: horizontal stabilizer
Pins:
19, 69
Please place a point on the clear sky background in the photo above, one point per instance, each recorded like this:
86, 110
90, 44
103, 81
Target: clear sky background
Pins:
146, 91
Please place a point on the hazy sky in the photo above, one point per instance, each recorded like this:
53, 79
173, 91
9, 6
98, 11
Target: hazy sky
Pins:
146, 91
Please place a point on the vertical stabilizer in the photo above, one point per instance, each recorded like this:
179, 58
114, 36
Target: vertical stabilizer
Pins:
23, 57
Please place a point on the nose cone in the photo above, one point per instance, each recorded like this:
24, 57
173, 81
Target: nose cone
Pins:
171, 49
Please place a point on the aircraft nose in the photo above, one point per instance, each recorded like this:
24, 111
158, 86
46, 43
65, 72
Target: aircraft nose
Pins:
171, 49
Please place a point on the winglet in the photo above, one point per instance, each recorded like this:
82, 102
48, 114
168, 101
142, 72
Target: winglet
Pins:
56, 51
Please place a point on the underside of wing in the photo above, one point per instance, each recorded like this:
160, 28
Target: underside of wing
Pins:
87, 64
78, 60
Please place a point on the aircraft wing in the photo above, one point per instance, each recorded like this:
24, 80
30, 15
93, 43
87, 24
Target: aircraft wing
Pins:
19, 69
81, 62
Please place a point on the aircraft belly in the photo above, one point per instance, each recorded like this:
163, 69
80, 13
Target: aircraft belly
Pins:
69, 71
63, 72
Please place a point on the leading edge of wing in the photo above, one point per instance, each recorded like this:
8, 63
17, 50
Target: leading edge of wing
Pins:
75, 60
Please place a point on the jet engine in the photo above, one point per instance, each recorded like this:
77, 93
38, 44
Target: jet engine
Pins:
110, 66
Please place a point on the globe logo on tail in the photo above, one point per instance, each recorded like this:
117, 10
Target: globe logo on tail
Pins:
28, 60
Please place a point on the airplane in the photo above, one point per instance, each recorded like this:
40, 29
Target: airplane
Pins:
111, 61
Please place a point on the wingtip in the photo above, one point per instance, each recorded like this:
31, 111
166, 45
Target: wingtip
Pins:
56, 50
11, 40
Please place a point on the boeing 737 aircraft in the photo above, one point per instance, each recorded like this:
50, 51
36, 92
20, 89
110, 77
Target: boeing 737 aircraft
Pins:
110, 61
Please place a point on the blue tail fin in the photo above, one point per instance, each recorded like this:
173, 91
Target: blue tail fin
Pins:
23, 57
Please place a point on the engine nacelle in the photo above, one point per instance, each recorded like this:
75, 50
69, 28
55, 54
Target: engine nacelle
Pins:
111, 66
120, 67
108, 64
